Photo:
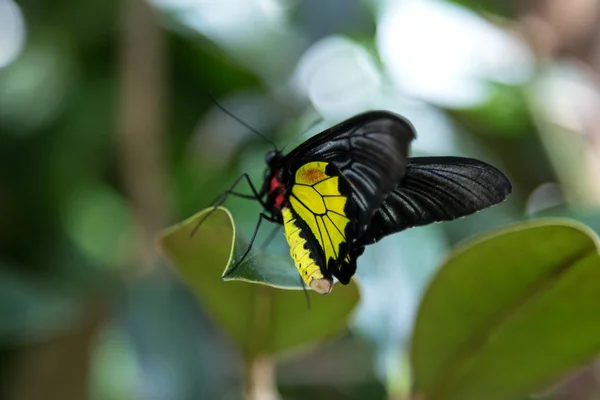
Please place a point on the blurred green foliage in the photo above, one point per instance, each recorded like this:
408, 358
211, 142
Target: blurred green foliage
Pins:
71, 241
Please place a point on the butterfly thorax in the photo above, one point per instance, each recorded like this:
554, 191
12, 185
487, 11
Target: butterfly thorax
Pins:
277, 196
274, 187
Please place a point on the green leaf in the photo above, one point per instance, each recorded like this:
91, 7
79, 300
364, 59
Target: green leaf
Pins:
509, 313
260, 267
259, 318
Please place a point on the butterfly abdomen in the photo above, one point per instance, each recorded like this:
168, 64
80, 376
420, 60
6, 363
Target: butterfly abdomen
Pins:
302, 255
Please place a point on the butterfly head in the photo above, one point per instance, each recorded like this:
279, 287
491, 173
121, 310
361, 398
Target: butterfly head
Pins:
273, 159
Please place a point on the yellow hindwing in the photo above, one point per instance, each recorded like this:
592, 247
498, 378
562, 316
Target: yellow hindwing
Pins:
316, 199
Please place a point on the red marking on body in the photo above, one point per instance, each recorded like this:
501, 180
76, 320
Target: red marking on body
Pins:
279, 201
312, 175
279, 189
275, 184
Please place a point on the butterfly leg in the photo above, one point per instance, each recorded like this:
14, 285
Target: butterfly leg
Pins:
261, 217
220, 199
306, 295
223, 196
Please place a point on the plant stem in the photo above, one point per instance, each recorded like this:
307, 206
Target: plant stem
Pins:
260, 379
141, 122
260, 382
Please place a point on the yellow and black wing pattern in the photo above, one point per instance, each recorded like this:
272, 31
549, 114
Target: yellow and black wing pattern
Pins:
334, 184
353, 184
318, 224
369, 150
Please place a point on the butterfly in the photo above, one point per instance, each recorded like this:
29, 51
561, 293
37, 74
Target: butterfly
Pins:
353, 184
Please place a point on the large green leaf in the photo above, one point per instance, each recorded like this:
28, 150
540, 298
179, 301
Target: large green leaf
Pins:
260, 318
509, 313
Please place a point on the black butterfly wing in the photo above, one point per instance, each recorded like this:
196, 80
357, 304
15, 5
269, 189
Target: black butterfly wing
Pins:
371, 152
436, 189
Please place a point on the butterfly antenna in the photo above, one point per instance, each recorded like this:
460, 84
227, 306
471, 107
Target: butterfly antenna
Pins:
311, 126
306, 295
216, 103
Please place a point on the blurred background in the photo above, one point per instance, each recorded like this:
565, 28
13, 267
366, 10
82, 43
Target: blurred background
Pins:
107, 136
